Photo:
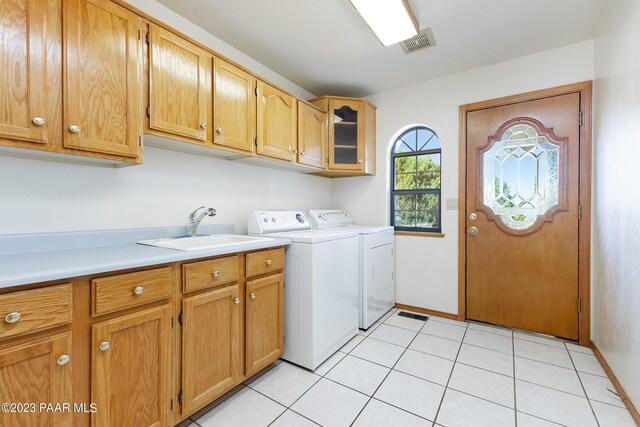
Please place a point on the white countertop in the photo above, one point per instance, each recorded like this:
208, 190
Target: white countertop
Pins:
39, 258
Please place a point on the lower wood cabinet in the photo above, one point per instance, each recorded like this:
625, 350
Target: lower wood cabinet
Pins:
39, 371
131, 369
264, 322
211, 345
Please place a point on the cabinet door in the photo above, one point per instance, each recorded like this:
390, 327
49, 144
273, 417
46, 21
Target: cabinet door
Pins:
177, 85
346, 135
23, 64
234, 107
37, 372
131, 369
102, 111
312, 136
264, 322
211, 359
277, 115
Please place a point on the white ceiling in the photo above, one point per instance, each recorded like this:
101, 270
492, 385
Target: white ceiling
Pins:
325, 47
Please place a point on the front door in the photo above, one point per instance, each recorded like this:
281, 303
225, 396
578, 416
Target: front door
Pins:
522, 214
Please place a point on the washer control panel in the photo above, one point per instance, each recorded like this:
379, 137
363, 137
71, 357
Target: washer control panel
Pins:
265, 222
330, 218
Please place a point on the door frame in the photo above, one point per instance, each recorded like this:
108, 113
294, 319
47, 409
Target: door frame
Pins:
584, 182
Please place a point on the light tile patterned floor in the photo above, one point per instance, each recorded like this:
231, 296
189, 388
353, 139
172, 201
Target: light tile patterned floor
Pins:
405, 372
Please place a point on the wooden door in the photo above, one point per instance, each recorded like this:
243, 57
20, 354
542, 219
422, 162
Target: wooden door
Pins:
23, 66
522, 215
211, 343
37, 372
264, 322
276, 124
103, 72
131, 369
234, 107
346, 135
177, 85
312, 136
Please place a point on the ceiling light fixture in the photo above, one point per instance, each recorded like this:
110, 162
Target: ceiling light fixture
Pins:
390, 20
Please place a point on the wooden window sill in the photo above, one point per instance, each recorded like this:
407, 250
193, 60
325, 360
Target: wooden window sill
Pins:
419, 234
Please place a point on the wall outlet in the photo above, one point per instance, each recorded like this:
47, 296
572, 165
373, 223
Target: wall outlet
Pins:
452, 204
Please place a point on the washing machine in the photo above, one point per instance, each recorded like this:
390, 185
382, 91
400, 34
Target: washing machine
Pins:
376, 271
321, 285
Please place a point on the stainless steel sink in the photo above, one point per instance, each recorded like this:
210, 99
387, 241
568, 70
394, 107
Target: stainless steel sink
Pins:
203, 242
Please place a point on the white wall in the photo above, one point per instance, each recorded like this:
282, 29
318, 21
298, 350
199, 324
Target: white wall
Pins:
42, 196
435, 104
616, 206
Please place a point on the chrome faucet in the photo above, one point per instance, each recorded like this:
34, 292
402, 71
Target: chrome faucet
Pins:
195, 219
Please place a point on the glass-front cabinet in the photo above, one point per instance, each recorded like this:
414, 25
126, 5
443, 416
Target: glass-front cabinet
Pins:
351, 136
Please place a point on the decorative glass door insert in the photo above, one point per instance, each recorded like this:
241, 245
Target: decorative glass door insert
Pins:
521, 175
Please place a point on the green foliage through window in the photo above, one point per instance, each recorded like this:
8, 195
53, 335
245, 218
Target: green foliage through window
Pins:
416, 181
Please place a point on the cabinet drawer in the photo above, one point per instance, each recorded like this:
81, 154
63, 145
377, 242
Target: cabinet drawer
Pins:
115, 293
29, 311
206, 274
265, 262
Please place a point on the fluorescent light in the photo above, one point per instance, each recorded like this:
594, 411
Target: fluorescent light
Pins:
392, 21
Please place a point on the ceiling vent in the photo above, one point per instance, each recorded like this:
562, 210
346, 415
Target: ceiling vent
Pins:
423, 40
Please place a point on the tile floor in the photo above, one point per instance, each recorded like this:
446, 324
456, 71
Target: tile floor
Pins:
405, 372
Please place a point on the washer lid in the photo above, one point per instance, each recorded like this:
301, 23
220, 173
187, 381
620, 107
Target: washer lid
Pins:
371, 229
316, 236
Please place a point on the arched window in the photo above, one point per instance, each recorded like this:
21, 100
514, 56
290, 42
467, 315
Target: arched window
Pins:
415, 181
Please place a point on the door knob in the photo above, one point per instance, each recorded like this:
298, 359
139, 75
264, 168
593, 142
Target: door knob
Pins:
138, 290
64, 359
203, 125
220, 131
472, 231
253, 295
74, 128
473, 216
359, 161
237, 301
216, 273
302, 153
104, 345
268, 262
39, 121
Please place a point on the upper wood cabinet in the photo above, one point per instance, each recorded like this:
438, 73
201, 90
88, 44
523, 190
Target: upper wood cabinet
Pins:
211, 346
23, 71
131, 369
312, 136
103, 72
264, 322
39, 371
234, 107
276, 123
352, 142
178, 85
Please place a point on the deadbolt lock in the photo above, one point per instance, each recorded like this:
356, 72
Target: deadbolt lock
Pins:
473, 216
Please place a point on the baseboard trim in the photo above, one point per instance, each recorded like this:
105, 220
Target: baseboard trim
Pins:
427, 311
616, 384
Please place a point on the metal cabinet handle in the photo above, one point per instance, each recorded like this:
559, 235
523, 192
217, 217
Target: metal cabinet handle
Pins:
64, 359
12, 317
138, 290
38, 121
253, 295
215, 273
359, 161
220, 130
203, 125
74, 128
237, 301
104, 345
472, 231
269, 262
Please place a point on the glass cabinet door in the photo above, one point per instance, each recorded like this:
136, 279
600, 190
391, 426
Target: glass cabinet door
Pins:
345, 135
